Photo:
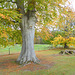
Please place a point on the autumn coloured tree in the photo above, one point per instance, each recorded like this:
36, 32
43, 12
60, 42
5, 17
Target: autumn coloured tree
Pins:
62, 41
64, 24
8, 27
43, 11
68, 25
46, 35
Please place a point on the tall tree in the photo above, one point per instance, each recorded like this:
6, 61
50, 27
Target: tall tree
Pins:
46, 9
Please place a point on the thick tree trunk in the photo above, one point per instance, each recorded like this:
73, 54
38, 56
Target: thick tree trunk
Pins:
27, 28
65, 45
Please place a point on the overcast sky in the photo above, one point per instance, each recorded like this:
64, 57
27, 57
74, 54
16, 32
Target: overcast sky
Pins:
72, 4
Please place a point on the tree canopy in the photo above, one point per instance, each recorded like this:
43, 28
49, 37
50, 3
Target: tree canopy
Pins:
22, 15
47, 11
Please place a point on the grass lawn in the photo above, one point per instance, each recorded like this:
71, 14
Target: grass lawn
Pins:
51, 63
17, 48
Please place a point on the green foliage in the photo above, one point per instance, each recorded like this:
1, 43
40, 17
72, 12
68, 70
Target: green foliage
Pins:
9, 36
9, 24
9, 17
56, 33
46, 12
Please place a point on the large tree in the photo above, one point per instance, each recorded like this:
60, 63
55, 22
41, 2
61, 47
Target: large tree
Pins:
45, 10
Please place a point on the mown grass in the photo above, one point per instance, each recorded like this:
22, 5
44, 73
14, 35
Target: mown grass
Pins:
17, 48
63, 64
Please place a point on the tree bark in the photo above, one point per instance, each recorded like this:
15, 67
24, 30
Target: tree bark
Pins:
65, 45
27, 28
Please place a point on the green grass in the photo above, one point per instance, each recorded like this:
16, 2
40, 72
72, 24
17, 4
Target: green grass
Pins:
64, 65
13, 49
17, 48
39, 47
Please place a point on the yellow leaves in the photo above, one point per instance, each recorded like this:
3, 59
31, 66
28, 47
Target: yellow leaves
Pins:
3, 37
72, 41
45, 33
4, 34
61, 40
9, 29
9, 36
3, 16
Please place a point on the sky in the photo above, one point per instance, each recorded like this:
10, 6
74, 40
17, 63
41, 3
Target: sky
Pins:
72, 4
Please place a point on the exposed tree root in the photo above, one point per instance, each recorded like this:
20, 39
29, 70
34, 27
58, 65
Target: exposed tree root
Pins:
26, 60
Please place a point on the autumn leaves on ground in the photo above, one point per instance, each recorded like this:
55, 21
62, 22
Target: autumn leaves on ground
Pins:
8, 63
51, 63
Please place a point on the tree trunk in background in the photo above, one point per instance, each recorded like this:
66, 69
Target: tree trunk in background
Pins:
65, 45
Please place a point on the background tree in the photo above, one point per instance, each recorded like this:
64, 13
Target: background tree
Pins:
59, 40
63, 25
67, 25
